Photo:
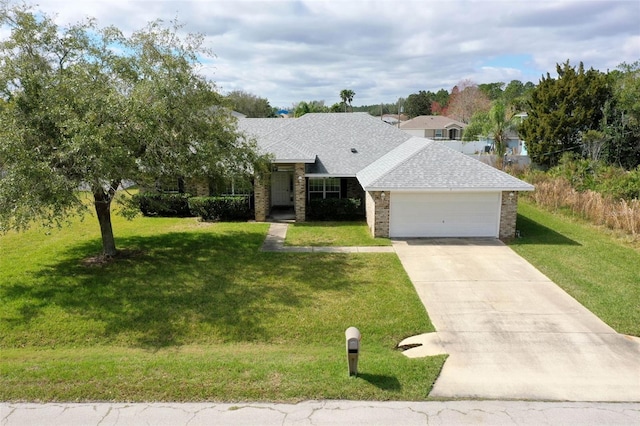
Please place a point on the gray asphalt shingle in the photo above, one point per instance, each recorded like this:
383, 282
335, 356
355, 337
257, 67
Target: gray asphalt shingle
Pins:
424, 164
331, 137
381, 156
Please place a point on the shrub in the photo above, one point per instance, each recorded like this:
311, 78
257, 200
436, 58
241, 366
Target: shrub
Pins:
226, 208
581, 173
164, 205
340, 209
620, 184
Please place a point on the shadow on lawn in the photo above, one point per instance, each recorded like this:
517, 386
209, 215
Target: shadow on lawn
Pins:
387, 383
180, 288
532, 232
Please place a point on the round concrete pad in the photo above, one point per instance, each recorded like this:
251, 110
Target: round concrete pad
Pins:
428, 344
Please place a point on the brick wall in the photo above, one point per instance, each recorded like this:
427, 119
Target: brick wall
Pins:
378, 213
508, 215
199, 188
299, 192
262, 197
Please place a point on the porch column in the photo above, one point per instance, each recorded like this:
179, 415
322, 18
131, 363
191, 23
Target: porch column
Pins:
262, 197
300, 192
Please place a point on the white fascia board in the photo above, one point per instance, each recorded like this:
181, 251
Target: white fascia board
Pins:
293, 160
441, 190
328, 175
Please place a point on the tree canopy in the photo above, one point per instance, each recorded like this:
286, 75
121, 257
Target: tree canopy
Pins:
250, 105
467, 99
302, 108
621, 123
347, 95
561, 109
418, 104
87, 106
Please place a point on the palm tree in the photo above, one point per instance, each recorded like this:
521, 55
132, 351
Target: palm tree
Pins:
347, 96
501, 122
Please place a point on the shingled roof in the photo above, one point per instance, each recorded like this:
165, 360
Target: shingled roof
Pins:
343, 143
431, 122
379, 155
425, 165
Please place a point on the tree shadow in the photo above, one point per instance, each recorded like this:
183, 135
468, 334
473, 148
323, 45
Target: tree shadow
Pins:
329, 224
532, 232
387, 383
179, 288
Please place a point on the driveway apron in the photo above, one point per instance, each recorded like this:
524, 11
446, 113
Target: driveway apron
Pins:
509, 331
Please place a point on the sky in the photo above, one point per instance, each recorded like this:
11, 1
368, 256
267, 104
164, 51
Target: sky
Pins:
292, 51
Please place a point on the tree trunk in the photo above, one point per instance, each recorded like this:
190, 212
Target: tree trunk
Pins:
102, 202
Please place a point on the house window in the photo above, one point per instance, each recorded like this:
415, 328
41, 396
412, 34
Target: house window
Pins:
237, 186
439, 133
170, 185
324, 188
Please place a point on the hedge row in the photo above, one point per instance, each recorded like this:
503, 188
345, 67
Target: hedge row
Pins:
335, 209
164, 205
227, 208
221, 208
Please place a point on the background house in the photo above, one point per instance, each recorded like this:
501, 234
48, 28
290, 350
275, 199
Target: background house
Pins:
437, 127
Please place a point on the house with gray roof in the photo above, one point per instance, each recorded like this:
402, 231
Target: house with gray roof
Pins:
410, 186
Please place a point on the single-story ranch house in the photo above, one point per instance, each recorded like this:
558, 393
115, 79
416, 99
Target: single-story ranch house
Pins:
436, 127
412, 186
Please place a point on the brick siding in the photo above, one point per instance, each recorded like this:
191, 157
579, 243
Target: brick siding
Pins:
378, 213
508, 215
299, 192
262, 197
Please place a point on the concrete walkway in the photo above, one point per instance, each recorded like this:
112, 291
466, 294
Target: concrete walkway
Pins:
509, 331
319, 413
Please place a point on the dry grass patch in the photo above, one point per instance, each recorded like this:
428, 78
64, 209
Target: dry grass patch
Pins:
558, 194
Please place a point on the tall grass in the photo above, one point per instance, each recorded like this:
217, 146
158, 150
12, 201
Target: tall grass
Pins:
556, 193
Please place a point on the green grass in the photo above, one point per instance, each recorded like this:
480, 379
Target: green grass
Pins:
197, 312
595, 268
346, 234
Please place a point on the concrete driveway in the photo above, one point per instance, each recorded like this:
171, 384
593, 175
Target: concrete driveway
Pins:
509, 331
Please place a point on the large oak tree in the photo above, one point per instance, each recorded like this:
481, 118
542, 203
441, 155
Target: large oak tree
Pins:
84, 106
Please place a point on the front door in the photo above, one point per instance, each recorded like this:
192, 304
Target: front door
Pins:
282, 188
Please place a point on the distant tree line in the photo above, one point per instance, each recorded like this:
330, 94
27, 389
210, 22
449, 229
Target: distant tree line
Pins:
586, 112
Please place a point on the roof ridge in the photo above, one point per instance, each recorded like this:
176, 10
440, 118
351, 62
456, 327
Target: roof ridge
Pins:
421, 143
412, 146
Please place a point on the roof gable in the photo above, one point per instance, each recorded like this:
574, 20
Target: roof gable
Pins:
425, 165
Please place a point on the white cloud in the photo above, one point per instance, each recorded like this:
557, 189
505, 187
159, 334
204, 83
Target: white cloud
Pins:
288, 51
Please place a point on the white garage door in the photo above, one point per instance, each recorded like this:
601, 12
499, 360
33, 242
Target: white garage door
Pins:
444, 215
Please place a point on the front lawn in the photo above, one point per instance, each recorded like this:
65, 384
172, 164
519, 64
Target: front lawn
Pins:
318, 234
197, 312
597, 270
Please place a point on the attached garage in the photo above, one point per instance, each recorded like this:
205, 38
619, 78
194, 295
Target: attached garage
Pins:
450, 214
424, 189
